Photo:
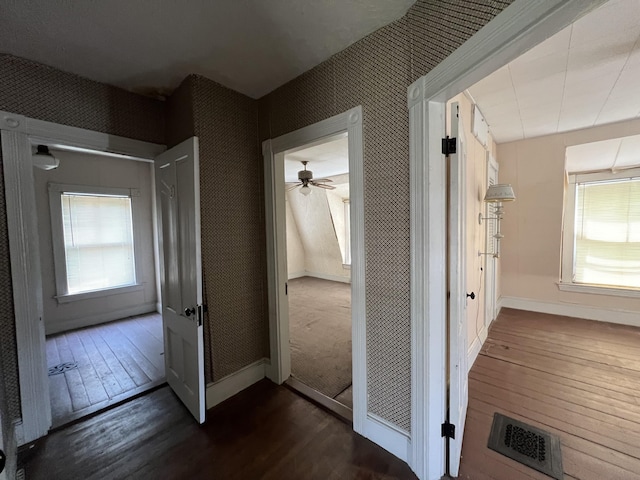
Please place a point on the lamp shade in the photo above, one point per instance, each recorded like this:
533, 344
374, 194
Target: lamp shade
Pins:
500, 193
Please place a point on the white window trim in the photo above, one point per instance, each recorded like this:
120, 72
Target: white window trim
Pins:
566, 283
57, 235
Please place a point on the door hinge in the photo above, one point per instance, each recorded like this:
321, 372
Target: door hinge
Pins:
449, 145
201, 309
448, 430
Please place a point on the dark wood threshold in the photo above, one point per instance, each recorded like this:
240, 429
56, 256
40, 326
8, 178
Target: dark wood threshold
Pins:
101, 407
339, 410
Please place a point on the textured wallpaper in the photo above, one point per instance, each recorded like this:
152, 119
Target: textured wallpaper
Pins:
233, 228
41, 92
375, 73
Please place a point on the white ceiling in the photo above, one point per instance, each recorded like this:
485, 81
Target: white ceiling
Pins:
588, 74
614, 154
326, 159
149, 46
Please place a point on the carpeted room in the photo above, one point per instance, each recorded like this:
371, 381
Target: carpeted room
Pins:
318, 264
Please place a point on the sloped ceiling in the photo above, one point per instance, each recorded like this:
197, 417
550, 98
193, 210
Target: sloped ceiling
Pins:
149, 46
585, 75
615, 154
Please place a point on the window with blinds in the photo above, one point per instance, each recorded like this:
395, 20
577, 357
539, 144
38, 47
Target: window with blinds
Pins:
607, 233
98, 241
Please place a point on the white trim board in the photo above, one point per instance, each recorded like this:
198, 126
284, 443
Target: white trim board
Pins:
388, 436
515, 30
230, 385
90, 320
273, 152
19, 133
475, 347
622, 317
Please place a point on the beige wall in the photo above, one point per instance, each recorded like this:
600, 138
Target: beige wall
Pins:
531, 249
101, 171
476, 176
295, 250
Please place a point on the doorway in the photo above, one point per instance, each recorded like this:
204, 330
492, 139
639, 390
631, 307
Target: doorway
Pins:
99, 280
345, 128
318, 271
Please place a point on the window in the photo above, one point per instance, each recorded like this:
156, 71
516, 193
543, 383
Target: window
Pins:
93, 241
601, 247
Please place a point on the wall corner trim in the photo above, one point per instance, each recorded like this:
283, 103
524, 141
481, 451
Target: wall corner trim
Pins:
228, 386
394, 440
609, 315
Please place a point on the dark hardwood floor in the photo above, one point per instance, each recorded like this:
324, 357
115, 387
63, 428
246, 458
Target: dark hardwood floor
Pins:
264, 432
115, 361
575, 378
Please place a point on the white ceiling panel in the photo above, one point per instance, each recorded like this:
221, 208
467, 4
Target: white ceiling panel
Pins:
587, 74
617, 153
325, 160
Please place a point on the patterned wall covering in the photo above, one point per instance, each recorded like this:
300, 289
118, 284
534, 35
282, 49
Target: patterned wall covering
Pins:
233, 228
375, 73
38, 91
180, 121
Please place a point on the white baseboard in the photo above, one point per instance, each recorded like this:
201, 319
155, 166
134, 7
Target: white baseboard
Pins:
623, 317
475, 347
72, 324
291, 276
227, 387
159, 307
388, 436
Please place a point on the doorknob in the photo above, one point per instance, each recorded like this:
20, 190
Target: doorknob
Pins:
190, 311
472, 295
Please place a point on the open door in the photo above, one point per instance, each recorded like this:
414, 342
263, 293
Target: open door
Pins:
177, 180
458, 371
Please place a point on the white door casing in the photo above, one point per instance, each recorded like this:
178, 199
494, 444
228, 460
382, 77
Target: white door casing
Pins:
273, 153
178, 198
458, 379
490, 268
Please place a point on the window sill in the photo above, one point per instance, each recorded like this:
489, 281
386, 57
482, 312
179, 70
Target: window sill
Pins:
599, 289
74, 297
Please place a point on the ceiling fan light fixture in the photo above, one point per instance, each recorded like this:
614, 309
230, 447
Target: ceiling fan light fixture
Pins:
305, 190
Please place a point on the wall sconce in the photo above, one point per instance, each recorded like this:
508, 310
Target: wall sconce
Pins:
497, 194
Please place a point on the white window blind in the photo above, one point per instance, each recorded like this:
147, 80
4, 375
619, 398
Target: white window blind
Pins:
607, 233
98, 241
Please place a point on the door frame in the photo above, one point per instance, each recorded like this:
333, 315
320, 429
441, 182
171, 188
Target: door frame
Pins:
273, 152
515, 30
19, 133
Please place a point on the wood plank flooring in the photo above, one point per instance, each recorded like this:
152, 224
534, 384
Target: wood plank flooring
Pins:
575, 378
264, 432
116, 361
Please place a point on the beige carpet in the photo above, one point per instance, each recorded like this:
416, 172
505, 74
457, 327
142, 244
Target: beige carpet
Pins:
320, 335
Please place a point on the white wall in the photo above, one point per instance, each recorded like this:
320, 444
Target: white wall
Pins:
295, 249
322, 257
531, 250
95, 170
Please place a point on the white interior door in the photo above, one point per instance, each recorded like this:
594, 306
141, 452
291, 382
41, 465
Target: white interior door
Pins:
490, 260
178, 199
458, 375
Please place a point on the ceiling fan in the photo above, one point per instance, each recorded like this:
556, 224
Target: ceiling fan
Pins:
306, 180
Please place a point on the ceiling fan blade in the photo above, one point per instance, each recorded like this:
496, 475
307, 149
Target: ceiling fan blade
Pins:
292, 186
323, 180
322, 185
